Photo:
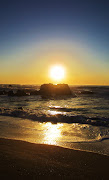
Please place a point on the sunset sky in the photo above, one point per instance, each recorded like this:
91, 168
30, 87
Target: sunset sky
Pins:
36, 35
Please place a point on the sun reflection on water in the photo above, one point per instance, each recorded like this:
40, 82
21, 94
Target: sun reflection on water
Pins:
52, 112
52, 133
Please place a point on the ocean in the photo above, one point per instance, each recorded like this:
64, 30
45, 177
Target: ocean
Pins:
80, 122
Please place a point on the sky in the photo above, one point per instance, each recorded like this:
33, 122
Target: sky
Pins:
36, 35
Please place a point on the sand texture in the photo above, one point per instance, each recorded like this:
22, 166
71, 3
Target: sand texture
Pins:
23, 160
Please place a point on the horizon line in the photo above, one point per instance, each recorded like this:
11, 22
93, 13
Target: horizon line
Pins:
55, 83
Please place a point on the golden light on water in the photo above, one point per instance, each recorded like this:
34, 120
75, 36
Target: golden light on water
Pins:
55, 112
57, 72
52, 133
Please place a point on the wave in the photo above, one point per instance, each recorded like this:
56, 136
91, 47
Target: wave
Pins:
67, 109
91, 141
57, 118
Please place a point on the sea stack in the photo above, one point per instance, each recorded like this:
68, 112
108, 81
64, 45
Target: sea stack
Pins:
55, 90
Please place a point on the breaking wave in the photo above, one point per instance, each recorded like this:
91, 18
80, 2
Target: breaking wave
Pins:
55, 118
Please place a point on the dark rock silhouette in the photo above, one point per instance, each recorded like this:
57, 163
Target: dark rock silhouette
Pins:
10, 85
55, 90
2, 92
20, 108
46, 91
34, 92
21, 93
10, 93
18, 93
87, 92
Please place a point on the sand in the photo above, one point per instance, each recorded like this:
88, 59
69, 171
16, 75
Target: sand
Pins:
23, 160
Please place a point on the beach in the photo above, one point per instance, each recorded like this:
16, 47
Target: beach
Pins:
55, 138
24, 160
54, 90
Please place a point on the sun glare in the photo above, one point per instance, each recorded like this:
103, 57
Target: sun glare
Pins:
52, 133
57, 73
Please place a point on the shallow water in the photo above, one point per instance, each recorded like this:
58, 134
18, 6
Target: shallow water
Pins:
78, 136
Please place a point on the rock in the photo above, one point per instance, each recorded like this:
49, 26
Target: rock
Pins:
10, 85
34, 92
87, 92
62, 89
55, 90
21, 93
20, 108
10, 93
2, 92
47, 89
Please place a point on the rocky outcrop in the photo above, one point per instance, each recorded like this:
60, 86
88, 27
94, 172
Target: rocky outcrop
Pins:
34, 93
21, 93
86, 92
18, 93
2, 92
46, 91
55, 90
10, 93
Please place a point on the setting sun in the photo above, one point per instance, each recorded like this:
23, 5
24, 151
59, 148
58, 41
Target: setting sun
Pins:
57, 73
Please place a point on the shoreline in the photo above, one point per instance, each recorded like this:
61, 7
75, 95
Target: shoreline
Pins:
14, 128
77, 146
24, 160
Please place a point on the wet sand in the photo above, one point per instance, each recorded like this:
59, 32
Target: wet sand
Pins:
23, 160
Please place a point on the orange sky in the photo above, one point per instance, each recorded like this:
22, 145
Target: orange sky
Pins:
32, 66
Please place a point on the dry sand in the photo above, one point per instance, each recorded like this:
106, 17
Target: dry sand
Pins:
23, 160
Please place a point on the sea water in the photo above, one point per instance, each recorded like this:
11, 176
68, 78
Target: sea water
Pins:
81, 122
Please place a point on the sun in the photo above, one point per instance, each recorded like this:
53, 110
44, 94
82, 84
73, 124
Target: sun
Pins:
57, 72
